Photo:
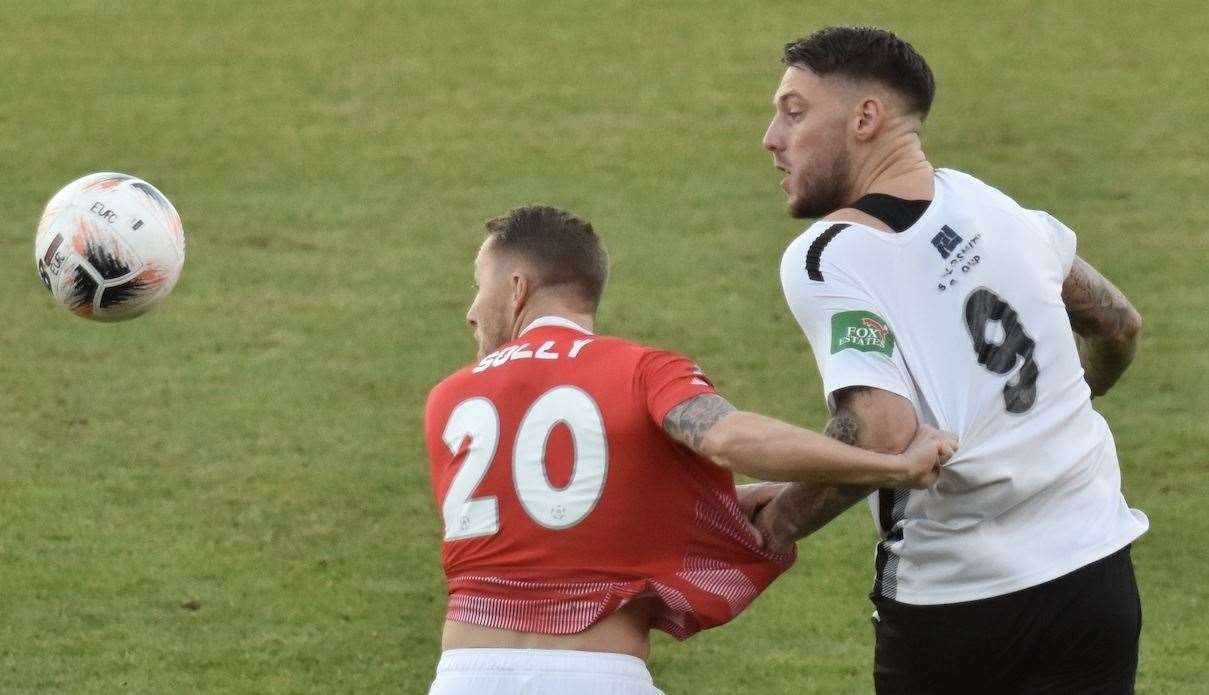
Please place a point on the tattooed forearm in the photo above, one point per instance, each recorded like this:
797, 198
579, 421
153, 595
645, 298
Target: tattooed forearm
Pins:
688, 422
1105, 323
802, 508
1103, 362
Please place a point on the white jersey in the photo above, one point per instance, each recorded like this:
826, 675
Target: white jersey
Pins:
962, 314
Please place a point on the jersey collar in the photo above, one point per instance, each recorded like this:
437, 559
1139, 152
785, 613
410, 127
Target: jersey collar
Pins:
553, 321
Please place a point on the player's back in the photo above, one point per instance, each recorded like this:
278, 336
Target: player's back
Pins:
562, 497
975, 334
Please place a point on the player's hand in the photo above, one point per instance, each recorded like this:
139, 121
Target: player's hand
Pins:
921, 462
753, 497
775, 537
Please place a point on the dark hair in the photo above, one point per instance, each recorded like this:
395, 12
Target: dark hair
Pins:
562, 246
867, 53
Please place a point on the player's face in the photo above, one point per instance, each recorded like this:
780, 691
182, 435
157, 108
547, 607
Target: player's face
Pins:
808, 141
490, 313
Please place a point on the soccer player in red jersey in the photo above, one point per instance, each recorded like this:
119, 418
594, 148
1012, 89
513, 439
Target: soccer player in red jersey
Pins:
585, 482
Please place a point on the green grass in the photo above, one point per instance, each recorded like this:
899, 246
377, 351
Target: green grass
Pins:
230, 496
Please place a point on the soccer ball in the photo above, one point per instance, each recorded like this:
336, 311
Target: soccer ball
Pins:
109, 247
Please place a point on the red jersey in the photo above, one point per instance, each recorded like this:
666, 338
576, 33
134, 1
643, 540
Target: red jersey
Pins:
563, 498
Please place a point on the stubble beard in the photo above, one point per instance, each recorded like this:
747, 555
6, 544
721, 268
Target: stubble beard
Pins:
490, 337
823, 190
484, 350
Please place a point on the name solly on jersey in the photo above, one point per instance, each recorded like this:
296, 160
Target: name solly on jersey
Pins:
522, 351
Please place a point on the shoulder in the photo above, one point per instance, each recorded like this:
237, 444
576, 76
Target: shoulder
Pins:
962, 180
617, 348
612, 355
966, 187
652, 364
648, 357
821, 231
448, 388
965, 184
810, 243
828, 253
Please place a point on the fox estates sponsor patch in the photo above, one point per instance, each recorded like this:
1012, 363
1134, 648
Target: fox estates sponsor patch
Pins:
861, 330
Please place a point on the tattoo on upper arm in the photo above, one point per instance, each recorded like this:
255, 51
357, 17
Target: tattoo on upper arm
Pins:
688, 422
843, 427
1095, 306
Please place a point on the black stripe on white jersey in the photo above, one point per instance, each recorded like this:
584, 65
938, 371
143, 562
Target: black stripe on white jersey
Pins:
891, 510
815, 253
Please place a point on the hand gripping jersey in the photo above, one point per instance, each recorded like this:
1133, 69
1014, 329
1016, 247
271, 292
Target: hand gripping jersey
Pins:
563, 498
962, 314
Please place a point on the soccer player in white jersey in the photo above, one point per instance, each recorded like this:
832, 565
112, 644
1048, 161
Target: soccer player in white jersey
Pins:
929, 296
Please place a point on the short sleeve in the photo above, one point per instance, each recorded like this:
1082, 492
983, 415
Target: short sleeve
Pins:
849, 332
1061, 237
667, 380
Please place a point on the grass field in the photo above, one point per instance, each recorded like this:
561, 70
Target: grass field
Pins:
230, 496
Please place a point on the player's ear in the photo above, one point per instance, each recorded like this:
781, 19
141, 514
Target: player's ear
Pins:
521, 288
870, 117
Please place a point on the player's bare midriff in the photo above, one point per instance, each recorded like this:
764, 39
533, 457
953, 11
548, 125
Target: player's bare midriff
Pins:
626, 631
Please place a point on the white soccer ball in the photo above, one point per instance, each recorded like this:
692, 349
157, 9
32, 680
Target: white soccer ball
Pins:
109, 247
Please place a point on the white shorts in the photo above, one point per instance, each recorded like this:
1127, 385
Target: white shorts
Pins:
540, 672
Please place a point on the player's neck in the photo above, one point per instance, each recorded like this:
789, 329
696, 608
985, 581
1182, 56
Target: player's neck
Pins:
535, 310
899, 168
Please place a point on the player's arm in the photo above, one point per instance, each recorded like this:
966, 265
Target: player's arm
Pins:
870, 418
1106, 325
769, 449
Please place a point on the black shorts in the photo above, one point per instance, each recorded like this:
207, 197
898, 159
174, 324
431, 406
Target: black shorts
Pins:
1075, 634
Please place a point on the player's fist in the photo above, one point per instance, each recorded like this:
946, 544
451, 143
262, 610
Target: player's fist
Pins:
753, 496
775, 534
931, 449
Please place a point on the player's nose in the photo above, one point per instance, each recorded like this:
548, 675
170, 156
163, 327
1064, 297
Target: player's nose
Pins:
770, 141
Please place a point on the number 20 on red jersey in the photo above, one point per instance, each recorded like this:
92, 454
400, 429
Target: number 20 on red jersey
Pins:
554, 508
